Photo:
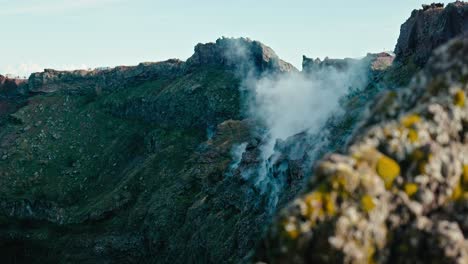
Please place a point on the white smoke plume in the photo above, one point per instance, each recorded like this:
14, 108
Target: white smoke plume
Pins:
286, 104
293, 103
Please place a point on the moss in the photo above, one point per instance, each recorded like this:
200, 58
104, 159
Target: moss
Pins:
411, 189
459, 98
410, 120
367, 203
388, 170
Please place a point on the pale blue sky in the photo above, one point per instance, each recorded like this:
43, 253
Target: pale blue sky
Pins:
67, 34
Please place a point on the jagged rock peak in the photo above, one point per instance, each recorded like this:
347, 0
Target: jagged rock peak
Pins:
309, 64
428, 28
433, 6
239, 53
375, 61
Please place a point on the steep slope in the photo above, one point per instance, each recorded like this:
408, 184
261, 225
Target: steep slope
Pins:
114, 165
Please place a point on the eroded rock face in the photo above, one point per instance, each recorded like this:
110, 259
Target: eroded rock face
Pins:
400, 192
429, 28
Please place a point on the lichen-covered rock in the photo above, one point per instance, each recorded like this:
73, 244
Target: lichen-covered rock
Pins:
400, 192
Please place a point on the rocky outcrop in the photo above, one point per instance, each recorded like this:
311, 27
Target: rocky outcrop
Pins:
429, 28
380, 61
241, 54
373, 61
399, 193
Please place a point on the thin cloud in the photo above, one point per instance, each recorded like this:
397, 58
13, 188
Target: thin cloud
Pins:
41, 7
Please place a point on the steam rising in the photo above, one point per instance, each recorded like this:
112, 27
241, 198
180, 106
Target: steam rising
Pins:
293, 103
285, 104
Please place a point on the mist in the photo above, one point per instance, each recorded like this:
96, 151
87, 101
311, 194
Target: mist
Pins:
292, 103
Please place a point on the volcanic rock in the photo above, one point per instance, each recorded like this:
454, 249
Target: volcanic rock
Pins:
429, 28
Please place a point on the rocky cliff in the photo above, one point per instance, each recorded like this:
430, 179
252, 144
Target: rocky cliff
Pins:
129, 164
429, 28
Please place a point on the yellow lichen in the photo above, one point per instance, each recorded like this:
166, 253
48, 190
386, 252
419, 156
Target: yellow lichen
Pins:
367, 203
314, 203
388, 170
319, 204
338, 182
460, 191
465, 174
370, 255
410, 120
411, 189
413, 135
457, 192
459, 98
422, 167
329, 204
291, 229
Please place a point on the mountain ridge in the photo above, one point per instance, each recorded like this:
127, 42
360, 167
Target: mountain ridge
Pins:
159, 162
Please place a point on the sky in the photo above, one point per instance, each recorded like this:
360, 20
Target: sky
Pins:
77, 34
